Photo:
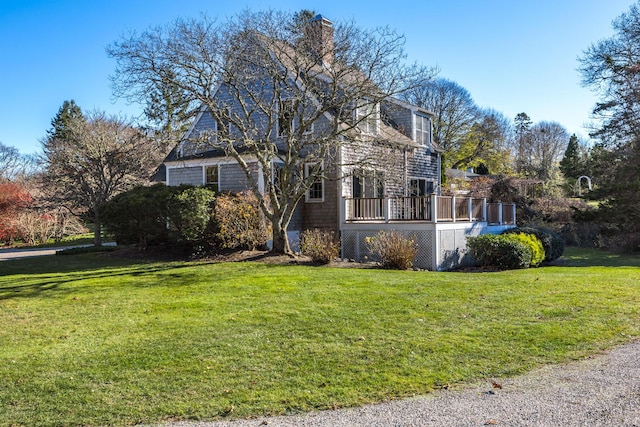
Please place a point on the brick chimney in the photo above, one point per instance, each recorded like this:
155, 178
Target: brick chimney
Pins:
319, 34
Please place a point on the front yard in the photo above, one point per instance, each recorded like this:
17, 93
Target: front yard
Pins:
100, 340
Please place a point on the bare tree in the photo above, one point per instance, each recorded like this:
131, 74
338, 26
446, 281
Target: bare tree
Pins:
547, 141
10, 162
98, 157
280, 88
454, 110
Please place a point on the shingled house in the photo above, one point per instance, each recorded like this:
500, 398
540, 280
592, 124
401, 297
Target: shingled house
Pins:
384, 174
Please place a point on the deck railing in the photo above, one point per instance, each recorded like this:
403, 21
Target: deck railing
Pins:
428, 208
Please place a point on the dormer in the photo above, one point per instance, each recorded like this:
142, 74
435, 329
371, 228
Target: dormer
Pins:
422, 129
367, 117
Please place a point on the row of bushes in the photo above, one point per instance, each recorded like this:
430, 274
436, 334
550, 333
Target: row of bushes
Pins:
520, 247
189, 219
391, 249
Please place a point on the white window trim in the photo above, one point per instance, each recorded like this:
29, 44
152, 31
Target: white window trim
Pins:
204, 174
308, 198
374, 116
415, 129
375, 177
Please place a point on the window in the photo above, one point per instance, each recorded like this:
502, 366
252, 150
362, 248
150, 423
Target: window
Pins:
423, 130
316, 191
419, 187
212, 177
285, 117
367, 118
368, 184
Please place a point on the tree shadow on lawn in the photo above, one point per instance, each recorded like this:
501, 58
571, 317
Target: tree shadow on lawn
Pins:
580, 257
49, 278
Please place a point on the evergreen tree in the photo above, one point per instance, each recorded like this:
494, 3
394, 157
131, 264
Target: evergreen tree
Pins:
68, 113
522, 123
611, 68
170, 111
572, 164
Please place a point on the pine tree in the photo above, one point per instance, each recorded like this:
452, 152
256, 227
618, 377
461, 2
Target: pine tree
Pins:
523, 125
68, 112
572, 165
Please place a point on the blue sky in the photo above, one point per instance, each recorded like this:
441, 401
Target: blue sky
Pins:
511, 56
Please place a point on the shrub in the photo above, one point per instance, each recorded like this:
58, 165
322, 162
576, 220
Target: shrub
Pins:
551, 242
14, 199
239, 222
189, 212
138, 216
320, 245
500, 251
158, 215
393, 250
537, 250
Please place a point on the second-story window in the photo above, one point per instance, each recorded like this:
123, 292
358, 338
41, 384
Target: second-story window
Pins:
367, 117
423, 130
285, 117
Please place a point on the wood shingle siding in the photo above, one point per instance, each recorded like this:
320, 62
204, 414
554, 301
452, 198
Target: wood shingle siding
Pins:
233, 178
186, 175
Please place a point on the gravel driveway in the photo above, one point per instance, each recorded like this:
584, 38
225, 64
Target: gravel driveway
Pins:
600, 391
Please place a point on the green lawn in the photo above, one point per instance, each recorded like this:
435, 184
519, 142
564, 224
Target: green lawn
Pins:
99, 340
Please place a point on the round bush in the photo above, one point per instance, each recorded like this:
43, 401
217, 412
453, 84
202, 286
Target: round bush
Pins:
532, 241
321, 245
393, 249
501, 251
551, 242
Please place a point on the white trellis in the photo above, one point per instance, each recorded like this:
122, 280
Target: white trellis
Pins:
579, 184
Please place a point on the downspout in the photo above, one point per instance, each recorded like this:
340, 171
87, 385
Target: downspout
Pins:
406, 177
341, 213
341, 202
439, 157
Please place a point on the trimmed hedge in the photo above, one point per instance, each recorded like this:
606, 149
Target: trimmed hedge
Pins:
159, 215
505, 252
552, 243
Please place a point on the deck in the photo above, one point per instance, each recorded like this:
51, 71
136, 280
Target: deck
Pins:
440, 225
429, 209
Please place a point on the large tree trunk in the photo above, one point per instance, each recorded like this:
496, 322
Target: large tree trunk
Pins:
97, 230
280, 240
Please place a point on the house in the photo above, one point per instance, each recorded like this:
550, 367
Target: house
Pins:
379, 167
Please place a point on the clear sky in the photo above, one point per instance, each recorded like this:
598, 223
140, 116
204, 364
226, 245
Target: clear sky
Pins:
511, 56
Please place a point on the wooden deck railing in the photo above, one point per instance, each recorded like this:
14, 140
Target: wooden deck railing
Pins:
428, 208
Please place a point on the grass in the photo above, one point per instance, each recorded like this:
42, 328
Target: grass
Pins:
99, 340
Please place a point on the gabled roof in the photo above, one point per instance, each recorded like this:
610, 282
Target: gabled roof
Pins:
287, 58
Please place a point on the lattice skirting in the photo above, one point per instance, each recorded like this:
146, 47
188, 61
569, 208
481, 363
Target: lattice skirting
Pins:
440, 246
355, 247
